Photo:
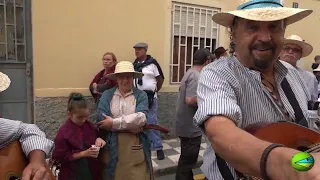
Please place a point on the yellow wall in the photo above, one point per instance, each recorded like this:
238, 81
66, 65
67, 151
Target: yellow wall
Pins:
70, 37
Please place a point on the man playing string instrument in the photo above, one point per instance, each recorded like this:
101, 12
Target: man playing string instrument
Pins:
249, 88
33, 142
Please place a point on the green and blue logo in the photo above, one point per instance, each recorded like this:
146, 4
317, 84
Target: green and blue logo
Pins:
302, 161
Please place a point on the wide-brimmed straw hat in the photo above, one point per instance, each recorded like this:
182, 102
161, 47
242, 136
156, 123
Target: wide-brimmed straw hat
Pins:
297, 40
4, 82
124, 67
262, 10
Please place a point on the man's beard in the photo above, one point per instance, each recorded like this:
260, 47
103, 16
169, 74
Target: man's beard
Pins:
262, 64
265, 62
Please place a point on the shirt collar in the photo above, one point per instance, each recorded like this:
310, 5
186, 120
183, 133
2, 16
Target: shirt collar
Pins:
280, 70
117, 92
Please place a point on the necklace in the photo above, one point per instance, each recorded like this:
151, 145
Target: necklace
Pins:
267, 82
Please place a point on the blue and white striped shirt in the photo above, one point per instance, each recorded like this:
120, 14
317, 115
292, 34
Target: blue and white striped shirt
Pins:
29, 135
228, 88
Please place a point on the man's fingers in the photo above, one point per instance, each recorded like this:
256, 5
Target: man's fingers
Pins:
40, 174
26, 174
99, 123
105, 116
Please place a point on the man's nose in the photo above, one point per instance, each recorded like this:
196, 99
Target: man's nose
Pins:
264, 35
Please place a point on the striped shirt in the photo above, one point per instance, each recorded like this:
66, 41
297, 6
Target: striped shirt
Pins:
228, 88
311, 82
29, 135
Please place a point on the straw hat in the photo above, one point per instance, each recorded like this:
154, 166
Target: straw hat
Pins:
297, 40
262, 10
4, 82
124, 67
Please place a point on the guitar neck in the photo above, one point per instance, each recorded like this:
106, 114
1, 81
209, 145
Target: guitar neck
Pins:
313, 148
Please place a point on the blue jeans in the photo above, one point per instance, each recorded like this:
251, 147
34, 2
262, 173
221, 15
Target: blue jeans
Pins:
154, 135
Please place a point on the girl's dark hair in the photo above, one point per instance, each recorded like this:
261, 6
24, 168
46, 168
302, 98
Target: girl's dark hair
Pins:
76, 101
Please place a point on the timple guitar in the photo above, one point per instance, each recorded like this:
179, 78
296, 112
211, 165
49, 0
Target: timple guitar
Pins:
287, 133
13, 162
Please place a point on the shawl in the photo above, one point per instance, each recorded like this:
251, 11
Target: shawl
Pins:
101, 79
150, 60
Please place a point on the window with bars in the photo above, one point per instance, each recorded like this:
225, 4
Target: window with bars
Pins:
192, 29
12, 31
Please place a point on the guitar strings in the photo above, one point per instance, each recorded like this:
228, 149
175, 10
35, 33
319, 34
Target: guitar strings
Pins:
313, 148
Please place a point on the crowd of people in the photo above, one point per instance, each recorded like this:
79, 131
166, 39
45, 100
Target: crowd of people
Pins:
219, 97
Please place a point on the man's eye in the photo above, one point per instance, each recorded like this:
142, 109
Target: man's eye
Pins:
253, 27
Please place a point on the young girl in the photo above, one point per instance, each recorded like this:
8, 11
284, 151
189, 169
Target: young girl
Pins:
77, 143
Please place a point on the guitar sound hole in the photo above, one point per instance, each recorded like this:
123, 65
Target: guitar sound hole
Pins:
14, 178
302, 148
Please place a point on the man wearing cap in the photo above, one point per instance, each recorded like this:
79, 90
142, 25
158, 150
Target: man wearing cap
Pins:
151, 83
253, 87
189, 134
220, 52
33, 142
294, 49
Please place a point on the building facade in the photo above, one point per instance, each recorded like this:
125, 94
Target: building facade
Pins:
64, 41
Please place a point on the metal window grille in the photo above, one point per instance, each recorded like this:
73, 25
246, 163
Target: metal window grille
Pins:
12, 32
192, 29
295, 5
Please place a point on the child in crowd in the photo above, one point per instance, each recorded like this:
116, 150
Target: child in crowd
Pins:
77, 143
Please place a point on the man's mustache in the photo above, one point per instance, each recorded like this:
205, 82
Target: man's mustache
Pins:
262, 46
291, 55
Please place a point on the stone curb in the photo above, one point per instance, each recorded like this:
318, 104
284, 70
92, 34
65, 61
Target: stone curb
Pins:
170, 169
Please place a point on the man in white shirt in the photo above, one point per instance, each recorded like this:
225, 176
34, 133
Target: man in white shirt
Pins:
294, 49
151, 83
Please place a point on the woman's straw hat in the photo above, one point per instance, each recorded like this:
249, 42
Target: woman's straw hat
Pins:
124, 67
262, 10
4, 82
297, 40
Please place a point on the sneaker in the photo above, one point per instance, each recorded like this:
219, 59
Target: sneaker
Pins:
160, 155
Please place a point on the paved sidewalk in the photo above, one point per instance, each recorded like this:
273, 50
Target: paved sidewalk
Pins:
171, 149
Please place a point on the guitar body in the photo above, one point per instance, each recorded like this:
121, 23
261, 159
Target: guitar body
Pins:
13, 162
289, 134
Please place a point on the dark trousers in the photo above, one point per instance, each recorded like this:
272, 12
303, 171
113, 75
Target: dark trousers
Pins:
189, 156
